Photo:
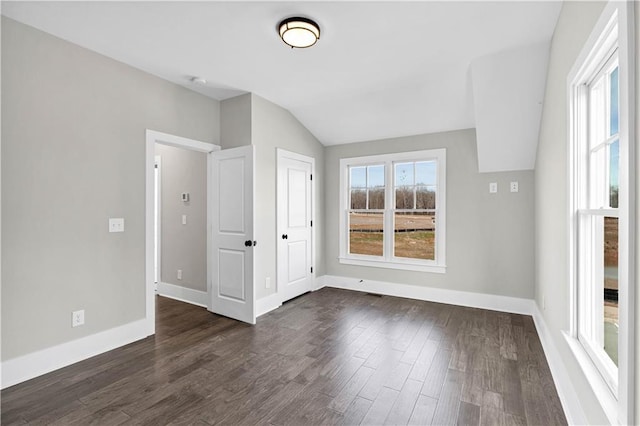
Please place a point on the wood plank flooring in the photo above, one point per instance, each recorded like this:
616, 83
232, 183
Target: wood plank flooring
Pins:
325, 358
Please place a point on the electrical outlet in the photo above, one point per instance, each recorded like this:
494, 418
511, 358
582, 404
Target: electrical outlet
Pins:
77, 318
267, 282
179, 274
116, 224
493, 187
514, 186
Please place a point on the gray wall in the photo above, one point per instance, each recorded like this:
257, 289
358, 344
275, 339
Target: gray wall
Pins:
274, 127
235, 121
73, 155
489, 237
575, 23
183, 246
637, 262
271, 127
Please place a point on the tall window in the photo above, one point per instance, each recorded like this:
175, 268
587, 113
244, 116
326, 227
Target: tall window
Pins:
601, 214
597, 209
393, 210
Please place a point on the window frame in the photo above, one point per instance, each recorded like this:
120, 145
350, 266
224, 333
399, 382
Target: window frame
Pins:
612, 35
388, 259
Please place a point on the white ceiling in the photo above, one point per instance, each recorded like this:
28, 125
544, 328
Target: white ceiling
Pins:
380, 69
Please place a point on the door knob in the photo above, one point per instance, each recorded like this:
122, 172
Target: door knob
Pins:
285, 236
248, 243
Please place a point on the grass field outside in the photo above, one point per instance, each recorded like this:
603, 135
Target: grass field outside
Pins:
414, 235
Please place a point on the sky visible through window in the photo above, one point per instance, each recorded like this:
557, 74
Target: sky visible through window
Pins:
425, 174
614, 127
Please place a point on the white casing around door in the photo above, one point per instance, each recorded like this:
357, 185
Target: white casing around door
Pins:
295, 247
232, 287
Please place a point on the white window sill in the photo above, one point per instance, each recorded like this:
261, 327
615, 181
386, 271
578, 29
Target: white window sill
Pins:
437, 269
605, 397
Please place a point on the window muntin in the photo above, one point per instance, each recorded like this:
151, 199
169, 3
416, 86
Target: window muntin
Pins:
390, 207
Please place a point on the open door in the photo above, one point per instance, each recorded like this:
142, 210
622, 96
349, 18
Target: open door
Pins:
232, 289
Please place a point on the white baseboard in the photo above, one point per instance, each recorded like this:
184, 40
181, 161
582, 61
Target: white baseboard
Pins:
319, 282
494, 302
183, 294
268, 304
18, 370
566, 391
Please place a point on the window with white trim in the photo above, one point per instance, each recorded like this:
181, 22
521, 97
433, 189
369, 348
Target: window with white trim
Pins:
392, 210
601, 213
597, 223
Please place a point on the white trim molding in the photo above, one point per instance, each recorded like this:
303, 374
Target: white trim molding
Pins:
388, 259
26, 367
268, 304
493, 302
183, 294
614, 32
566, 391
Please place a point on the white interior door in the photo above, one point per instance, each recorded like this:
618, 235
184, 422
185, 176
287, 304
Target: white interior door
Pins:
295, 248
232, 289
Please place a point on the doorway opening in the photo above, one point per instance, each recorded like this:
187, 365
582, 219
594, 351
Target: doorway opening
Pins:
181, 224
155, 215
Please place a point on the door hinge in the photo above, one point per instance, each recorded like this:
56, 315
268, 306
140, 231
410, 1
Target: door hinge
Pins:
311, 223
312, 269
310, 177
155, 166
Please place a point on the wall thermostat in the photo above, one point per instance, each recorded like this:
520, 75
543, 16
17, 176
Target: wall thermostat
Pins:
185, 196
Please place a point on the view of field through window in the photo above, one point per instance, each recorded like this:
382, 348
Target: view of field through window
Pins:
611, 317
414, 210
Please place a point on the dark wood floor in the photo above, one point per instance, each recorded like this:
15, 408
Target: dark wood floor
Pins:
329, 357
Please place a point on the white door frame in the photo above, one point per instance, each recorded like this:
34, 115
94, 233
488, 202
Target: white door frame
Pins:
283, 153
158, 228
152, 138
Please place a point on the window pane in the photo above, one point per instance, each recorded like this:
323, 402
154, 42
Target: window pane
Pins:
611, 287
358, 177
613, 113
358, 199
404, 174
598, 189
365, 233
404, 197
426, 197
426, 173
376, 198
376, 176
414, 235
614, 165
598, 116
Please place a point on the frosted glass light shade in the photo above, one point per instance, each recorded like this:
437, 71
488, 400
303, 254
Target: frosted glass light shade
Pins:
299, 32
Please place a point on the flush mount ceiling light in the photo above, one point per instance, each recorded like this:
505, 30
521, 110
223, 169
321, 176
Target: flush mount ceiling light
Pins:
299, 32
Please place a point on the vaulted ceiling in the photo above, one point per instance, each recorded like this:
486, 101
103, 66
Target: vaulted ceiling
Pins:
380, 69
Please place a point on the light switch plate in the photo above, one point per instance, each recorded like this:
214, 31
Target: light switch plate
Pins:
493, 187
116, 224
